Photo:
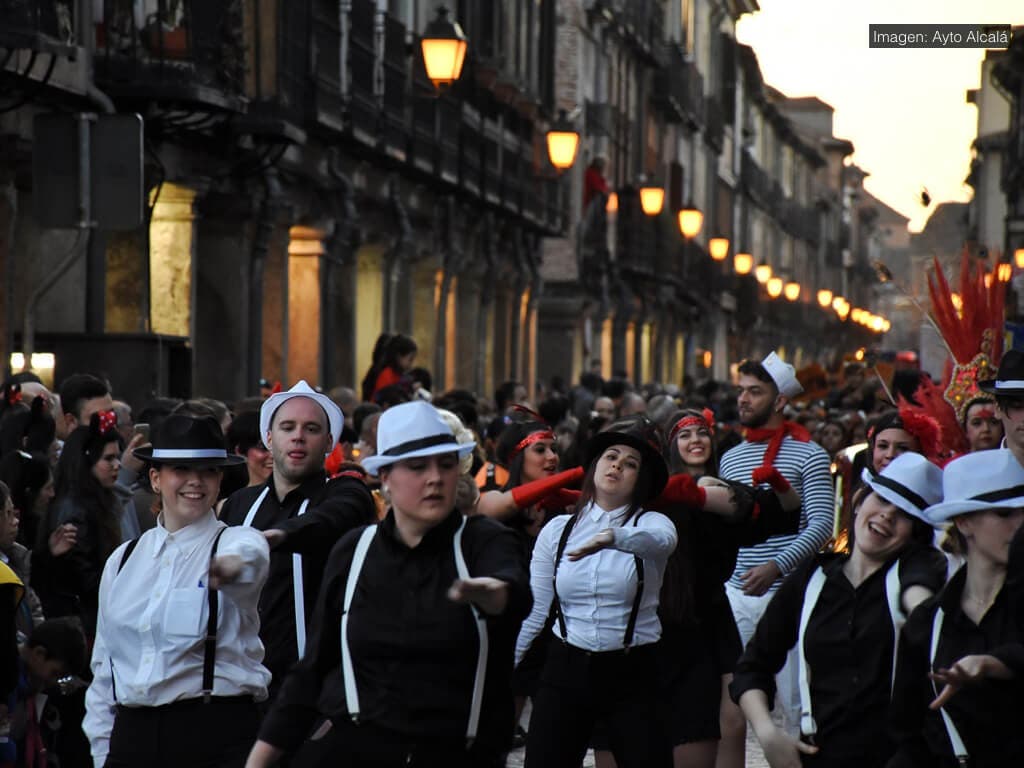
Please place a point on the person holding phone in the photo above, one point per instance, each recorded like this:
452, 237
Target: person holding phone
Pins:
177, 646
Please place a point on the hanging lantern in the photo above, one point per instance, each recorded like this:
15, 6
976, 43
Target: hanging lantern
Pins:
690, 222
774, 287
718, 247
563, 141
652, 199
444, 50
763, 273
743, 262
792, 290
825, 298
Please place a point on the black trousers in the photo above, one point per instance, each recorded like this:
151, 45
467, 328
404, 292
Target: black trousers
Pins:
578, 689
217, 734
368, 746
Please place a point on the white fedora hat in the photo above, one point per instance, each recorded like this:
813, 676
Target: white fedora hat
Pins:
910, 481
977, 482
335, 418
409, 430
783, 374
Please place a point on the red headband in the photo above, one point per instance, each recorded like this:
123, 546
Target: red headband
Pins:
986, 413
707, 421
530, 439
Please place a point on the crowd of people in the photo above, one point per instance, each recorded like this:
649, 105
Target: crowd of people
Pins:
388, 578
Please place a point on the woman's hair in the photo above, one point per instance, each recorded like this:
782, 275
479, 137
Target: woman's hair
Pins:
673, 459
642, 489
74, 479
398, 346
376, 363
244, 432
5, 494
28, 429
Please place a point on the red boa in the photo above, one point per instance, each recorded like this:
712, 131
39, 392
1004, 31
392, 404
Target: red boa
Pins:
775, 437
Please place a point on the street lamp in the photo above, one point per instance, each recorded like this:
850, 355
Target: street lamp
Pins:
843, 311
563, 141
743, 262
690, 222
825, 298
763, 273
792, 290
718, 247
774, 287
444, 50
652, 198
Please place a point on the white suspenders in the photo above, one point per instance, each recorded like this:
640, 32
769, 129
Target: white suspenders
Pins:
954, 735
808, 727
351, 690
297, 585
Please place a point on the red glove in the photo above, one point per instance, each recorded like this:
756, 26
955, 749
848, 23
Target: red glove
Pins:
560, 500
773, 477
682, 489
529, 494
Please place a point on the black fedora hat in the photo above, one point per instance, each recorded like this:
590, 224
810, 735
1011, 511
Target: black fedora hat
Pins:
1009, 381
640, 433
186, 441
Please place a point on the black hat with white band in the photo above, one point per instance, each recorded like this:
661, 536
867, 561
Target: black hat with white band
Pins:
909, 481
978, 482
412, 430
1009, 381
185, 441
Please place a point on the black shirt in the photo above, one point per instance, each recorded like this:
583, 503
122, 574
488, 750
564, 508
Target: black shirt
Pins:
334, 509
414, 651
989, 714
848, 646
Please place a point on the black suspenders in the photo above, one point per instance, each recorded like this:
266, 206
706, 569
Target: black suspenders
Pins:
557, 604
209, 643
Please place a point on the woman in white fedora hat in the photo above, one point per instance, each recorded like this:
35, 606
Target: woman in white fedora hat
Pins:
177, 663
844, 614
958, 695
409, 659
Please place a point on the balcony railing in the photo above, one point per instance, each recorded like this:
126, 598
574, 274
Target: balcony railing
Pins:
679, 88
186, 49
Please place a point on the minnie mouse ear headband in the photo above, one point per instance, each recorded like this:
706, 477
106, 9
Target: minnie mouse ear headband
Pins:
335, 418
185, 441
909, 481
640, 433
978, 482
783, 374
411, 430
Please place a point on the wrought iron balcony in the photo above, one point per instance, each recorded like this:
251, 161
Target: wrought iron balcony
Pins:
188, 51
679, 88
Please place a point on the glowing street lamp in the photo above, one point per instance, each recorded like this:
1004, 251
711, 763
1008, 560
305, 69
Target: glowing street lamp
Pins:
1018, 258
563, 140
763, 273
774, 287
718, 247
824, 298
652, 199
792, 290
743, 262
690, 222
444, 50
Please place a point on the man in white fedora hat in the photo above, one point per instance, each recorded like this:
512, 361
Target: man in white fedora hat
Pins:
302, 514
778, 453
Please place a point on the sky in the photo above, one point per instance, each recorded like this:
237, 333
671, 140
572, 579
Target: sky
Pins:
905, 110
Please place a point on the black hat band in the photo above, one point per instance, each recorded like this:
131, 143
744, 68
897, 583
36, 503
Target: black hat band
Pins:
423, 442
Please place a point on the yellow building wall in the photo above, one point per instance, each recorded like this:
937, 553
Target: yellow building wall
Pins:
170, 261
369, 307
305, 250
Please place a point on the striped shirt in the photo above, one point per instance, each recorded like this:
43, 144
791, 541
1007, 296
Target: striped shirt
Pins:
806, 467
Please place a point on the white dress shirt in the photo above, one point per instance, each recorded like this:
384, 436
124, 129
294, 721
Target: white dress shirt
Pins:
152, 624
597, 592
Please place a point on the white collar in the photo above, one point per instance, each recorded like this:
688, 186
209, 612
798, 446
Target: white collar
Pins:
597, 512
187, 538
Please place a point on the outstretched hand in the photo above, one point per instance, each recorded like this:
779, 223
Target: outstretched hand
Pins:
600, 541
487, 593
969, 669
782, 750
224, 569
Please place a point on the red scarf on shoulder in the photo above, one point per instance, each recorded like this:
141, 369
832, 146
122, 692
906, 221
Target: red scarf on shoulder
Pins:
775, 437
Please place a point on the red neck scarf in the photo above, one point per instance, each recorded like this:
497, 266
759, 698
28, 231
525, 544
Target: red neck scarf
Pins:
775, 437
